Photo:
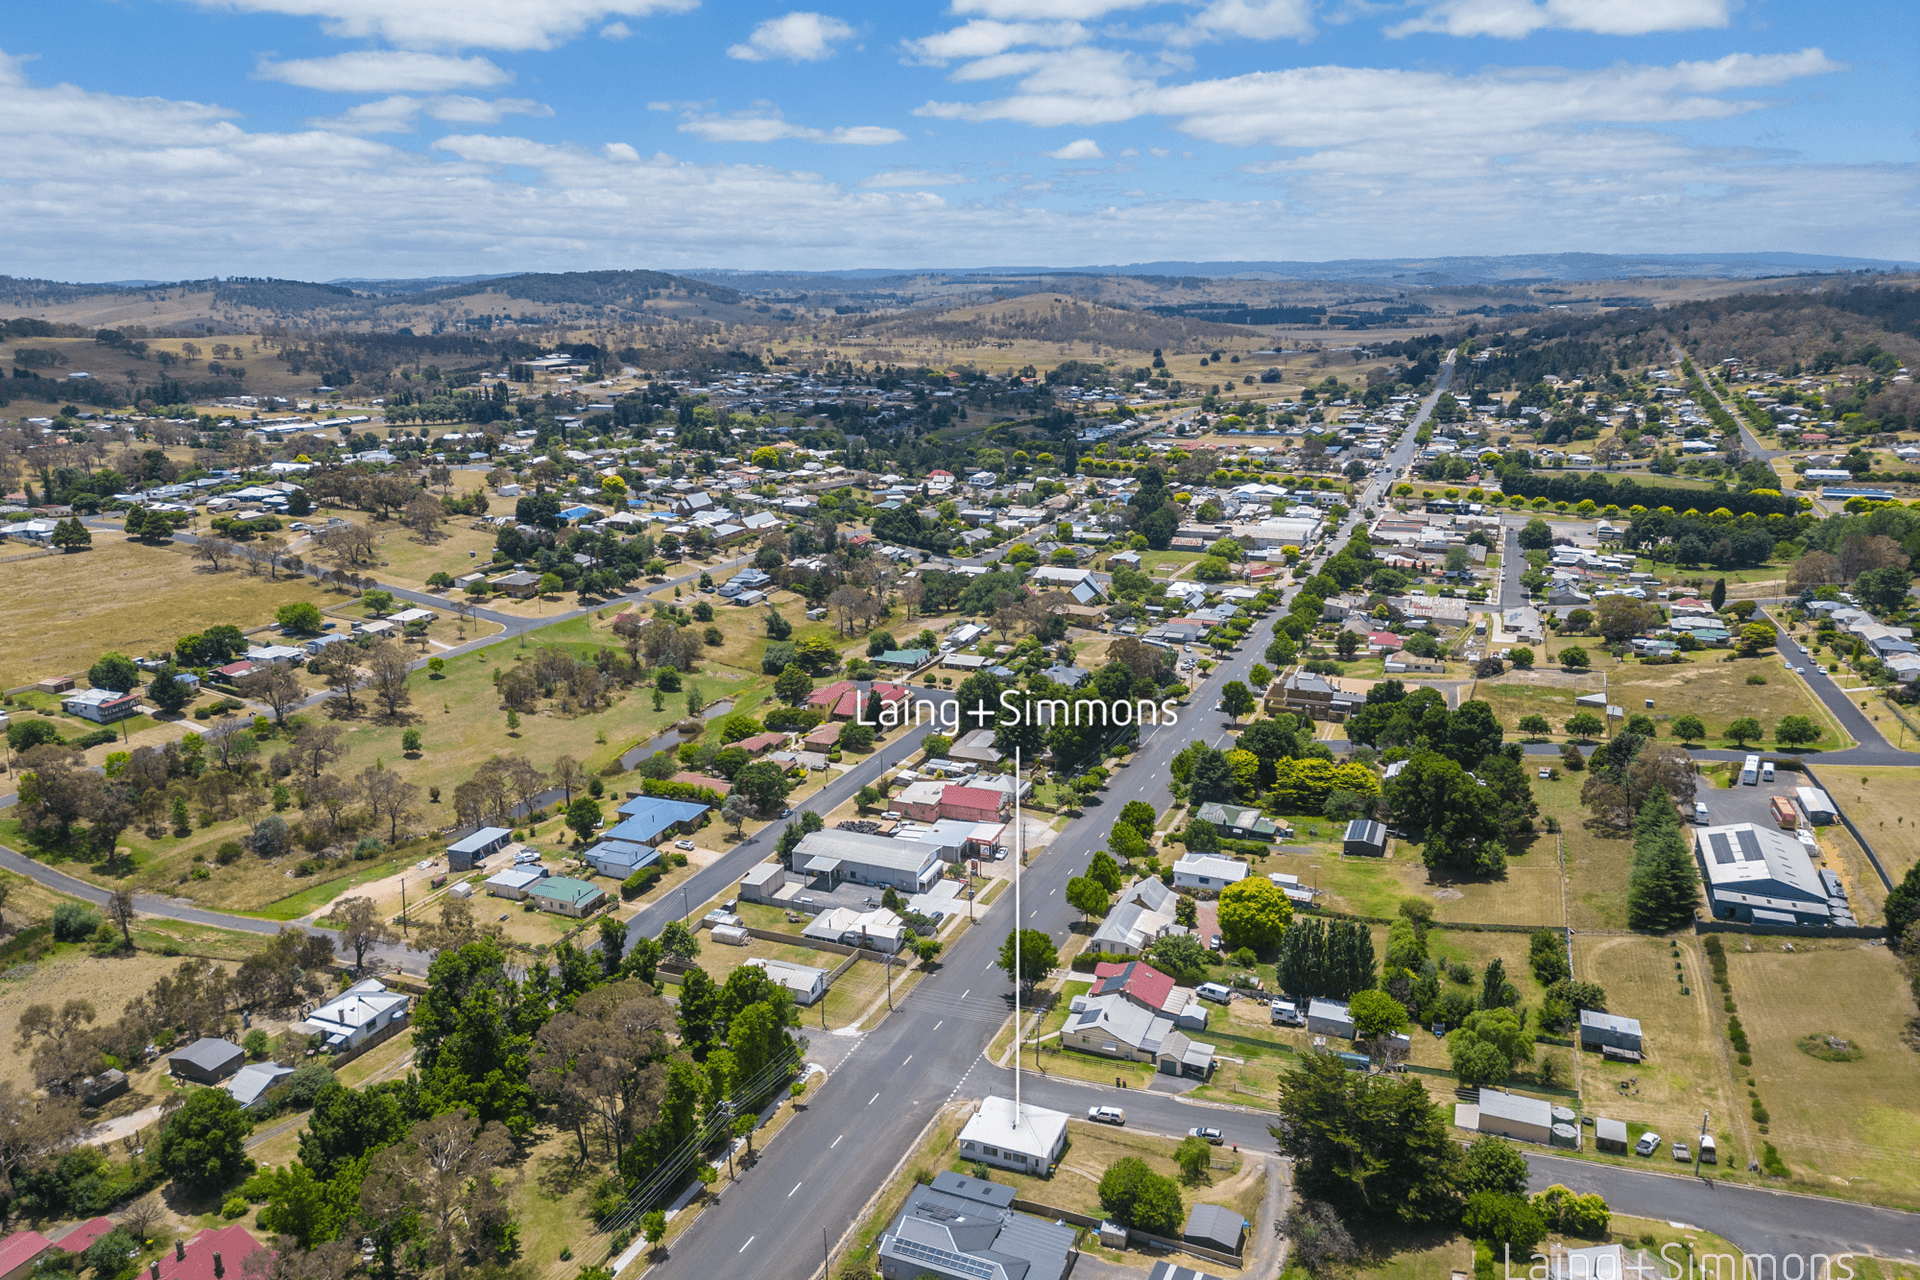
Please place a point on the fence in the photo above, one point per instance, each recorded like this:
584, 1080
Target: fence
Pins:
1134, 1237
1852, 830
1791, 930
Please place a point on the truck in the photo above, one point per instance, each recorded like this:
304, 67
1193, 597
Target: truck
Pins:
1785, 816
1750, 771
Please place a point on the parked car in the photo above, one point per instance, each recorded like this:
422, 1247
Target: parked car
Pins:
683, 844
1285, 1013
1211, 1134
1107, 1115
1681, 1155
1700, 814
1217, 944
1648, 1144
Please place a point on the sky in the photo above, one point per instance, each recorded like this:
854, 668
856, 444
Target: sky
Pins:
326, 139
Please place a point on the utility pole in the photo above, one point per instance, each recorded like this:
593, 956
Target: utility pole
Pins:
1697, 1147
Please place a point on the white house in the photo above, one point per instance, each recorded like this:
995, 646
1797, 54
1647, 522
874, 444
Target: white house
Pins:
1029, 1138
1207, 871
362, 1010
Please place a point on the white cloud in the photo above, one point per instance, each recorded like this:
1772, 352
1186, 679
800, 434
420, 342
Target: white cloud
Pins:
386, 71
1512, 19
1084, 149
83, 170
456, 108
398, 113
388, 115
454, 24
765, 124
1249, 19
912, 178
797, 37
984, 37
615, 31
1029, 10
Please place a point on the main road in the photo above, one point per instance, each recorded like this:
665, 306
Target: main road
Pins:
814, 1182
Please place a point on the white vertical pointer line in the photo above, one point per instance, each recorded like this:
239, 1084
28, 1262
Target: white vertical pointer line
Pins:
875, 1098
940, 1024
796, 1187
909, 1059
835, 1142
750, 1240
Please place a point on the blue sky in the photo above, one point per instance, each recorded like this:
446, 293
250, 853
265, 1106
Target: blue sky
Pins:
330, 138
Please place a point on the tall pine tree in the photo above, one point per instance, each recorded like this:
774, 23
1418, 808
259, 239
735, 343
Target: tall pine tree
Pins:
1663, 887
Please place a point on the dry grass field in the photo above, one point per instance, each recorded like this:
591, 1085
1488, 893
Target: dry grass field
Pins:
1597, 865
1687, 1069
1879, 801
1717, 691
62, 612
1851, 1127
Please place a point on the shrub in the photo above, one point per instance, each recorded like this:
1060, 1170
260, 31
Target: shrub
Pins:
235, 1207
304, 1085
74, 922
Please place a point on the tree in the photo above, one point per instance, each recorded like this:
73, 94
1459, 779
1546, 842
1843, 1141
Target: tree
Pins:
1796, 731
276, 686
1663, 886
1884, 590
1507, 1223
1104, 871
1903, 907
762, 785
1536, 536
71, 535
167, 692
793, 685
1687, 728
1037, 957
1376, 1014
1756, 637
344, 679
1488, 1046
361, 928
1135, 1196
119, 908
1744, 730
1535, 726
583, 817
388, 667
1718, 597
114, 671
1371, 1146
1547, 957
1254, 913
1495, 991
1522, 658
1087, 896
1493, 1164
203, 1143
302, 617
1585, 724
1236, 699
1574, 657
410, 742
1620, 618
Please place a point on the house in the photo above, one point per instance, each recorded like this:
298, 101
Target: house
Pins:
1614, 1035
250, 1084
1513, 1115
1610, 1135
514, 882
844, 700
1329, 1018
1134, 1011
1817, 805
904, 659
1317, 697
319, 644
876, 930
54, 684
566, 896
1214, 1226
1760, 876
467, 853
217, 1253
1207, 871
103, 1088
1237, 822
19, 1252
961, 803
1029, 1139
208, 1060
1364, 839
962, 1228
649, 819
920, 800
852, 856
763, 883
519, 584
804, 982
77, 1240
102, 706
360, 1012
975, 747
276, 655
719, 786
1071, 677
1144, 915
760, 743
620, 858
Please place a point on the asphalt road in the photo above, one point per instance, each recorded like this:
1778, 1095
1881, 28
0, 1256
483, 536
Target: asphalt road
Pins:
1874, 749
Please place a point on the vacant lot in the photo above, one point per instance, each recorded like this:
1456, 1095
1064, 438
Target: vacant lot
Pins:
1687, 1068
1838, 1124
1717, 691
1517, 695
1597, 864
62, 612
1880, 802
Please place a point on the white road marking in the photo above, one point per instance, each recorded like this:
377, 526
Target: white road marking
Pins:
940, 1024
750, 1240
875, 1098
796, 1187
909, 1059
835, 1142
966, 993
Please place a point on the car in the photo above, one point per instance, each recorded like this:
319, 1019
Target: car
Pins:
806, 901
1546, 773
1681, 1155
300, 525
1700, 811
1216, 943
786, 813
1106, 1115
1212, 1135
1648, 1144
683, 844
891, 816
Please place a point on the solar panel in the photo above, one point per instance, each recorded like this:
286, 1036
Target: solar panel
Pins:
960, 1262
1722, 851
1749, 845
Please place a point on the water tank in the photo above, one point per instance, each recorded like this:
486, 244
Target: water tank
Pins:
1566, 1135
1563, 1115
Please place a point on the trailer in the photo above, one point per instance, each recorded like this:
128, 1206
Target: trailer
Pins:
1785, 816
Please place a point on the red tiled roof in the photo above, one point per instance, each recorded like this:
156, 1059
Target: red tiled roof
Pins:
825, 736
1141, 982
233, 1244
762, 742
77, 1240
20, 1248
1384, 639
973, 797
826, 696
719, 786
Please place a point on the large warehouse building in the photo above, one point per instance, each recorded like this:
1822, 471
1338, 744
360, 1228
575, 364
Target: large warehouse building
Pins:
1758, 876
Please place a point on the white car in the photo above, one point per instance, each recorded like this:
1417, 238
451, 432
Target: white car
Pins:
1648, 1144
683, 844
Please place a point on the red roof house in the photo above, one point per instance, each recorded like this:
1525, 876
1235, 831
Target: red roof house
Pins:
1383, 641
77, 1240
760, 743
973, 804
719, 786
214, 1254
843, 700
19, 1251
1137, 980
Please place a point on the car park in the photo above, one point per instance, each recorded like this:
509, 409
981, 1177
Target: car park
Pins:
1212, 1135
1648, 1144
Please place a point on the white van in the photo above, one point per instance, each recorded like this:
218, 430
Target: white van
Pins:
1707, 1154
1213, 991
1766, 771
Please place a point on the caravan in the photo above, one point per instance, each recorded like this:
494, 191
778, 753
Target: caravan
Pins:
1750, 771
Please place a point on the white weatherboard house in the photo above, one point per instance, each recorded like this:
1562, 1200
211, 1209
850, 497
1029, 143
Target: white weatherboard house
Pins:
1207, 871
362, 1010
1031, 1145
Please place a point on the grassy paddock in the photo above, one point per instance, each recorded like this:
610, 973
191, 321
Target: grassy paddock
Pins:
1879, 801
1846, 1127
